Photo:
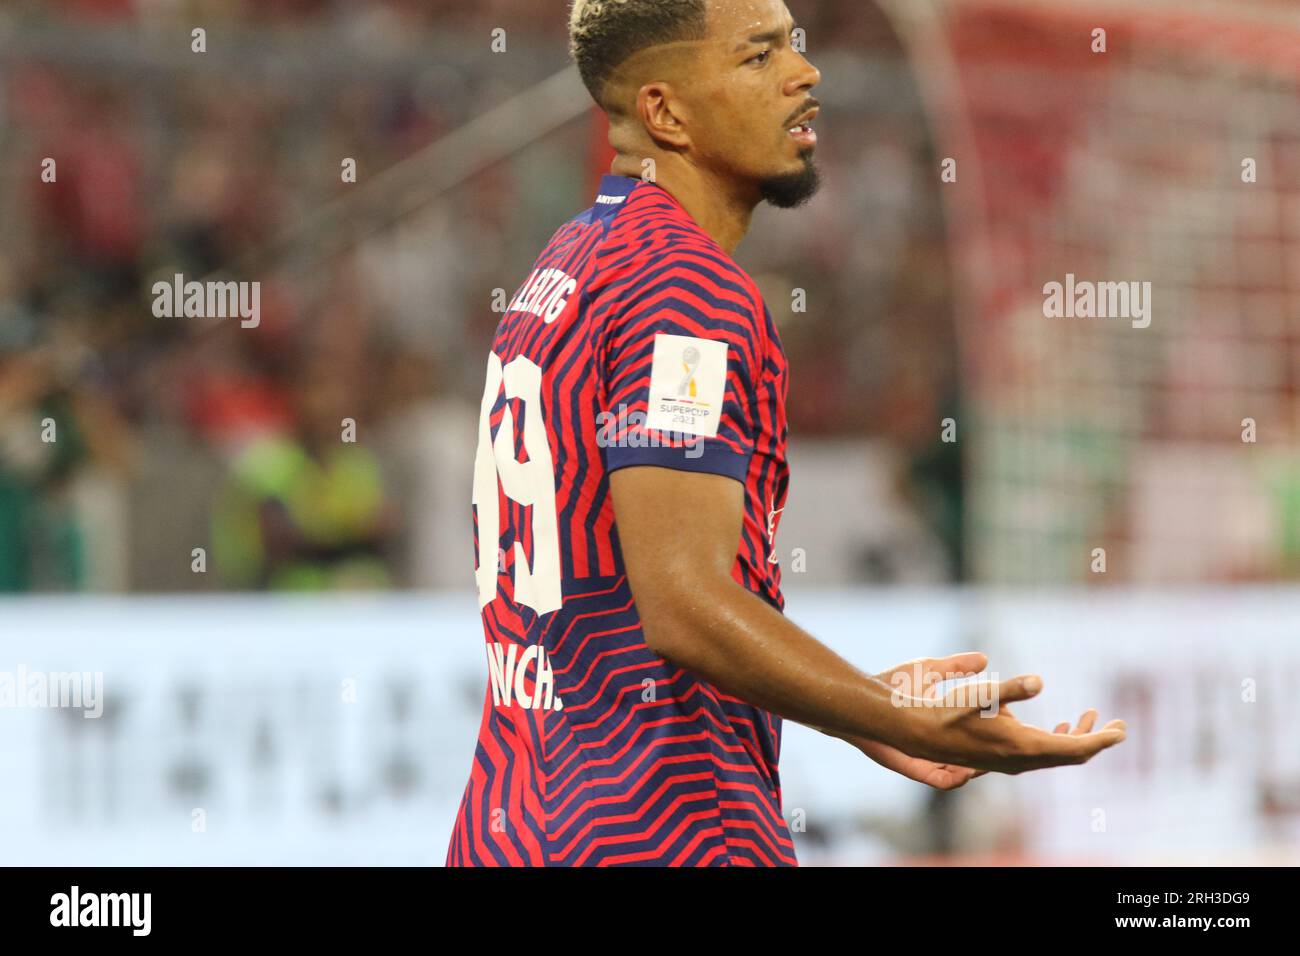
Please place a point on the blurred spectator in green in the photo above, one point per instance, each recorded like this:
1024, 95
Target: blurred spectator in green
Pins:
1286, 490
40, 544
307, 510
51, 429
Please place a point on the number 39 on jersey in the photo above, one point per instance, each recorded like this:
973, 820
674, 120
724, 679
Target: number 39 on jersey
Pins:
530, 483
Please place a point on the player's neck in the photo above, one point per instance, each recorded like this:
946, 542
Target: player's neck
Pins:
716, 209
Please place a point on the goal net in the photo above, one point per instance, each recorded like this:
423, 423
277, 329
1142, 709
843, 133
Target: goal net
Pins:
1122, 184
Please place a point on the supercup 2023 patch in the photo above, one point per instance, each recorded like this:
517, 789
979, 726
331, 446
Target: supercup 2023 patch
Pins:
688, 378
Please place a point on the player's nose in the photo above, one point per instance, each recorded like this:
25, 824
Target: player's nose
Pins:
806, 76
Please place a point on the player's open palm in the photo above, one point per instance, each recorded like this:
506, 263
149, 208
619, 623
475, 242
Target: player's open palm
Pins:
963, 731
931, 672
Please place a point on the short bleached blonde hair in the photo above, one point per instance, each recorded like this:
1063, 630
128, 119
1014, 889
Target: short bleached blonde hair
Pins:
603, 34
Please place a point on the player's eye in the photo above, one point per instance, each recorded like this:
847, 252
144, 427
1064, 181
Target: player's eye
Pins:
760, 58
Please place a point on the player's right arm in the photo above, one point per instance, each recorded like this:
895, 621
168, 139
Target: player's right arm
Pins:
695, 614
685, 322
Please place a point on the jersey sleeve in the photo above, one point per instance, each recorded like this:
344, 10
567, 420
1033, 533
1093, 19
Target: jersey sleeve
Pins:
679, 357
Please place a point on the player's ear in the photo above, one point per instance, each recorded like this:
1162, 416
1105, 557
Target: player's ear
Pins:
662, 112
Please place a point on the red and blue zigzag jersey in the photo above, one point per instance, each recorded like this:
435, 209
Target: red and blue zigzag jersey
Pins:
636, 340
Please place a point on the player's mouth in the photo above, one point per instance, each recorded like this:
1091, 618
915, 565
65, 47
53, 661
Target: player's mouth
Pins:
802, 132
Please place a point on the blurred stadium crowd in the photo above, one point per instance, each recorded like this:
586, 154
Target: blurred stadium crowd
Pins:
182, 434
175, 434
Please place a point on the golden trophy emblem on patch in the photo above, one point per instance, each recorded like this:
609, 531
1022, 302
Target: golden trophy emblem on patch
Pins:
690, 362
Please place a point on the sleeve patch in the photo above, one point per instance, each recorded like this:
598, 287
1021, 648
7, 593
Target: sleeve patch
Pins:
688, 378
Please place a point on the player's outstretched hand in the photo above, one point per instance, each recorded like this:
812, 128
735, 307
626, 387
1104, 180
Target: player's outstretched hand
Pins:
926, 674
959, 730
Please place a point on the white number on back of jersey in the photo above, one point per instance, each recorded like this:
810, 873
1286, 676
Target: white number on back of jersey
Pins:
530, 483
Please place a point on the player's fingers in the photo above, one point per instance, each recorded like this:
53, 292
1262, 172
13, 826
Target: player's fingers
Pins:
1086, 721
965, 663
954, 665
1116, 724
952, 775
1081, 747
1061, 728
902, 675
933, 671
932, 688
1019, 688
961, 776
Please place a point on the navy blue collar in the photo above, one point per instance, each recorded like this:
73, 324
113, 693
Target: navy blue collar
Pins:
614, 191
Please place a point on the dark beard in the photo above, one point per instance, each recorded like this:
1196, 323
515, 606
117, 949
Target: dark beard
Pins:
792, 189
